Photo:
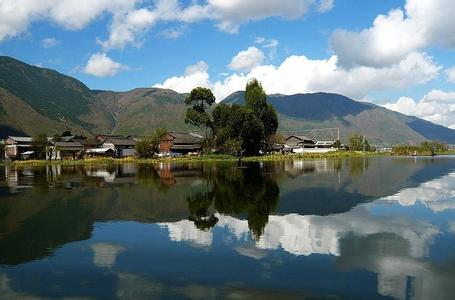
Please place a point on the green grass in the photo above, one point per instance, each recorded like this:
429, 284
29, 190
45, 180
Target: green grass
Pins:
449, 152
203, 158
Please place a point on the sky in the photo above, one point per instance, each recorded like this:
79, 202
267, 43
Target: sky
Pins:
395, 53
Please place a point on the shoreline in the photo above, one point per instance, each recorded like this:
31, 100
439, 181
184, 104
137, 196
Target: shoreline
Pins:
203, 159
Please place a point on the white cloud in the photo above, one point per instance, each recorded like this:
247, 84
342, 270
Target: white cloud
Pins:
195, 76
325, 5
269, 44
392, 37
100, 65
232, 14
173, 33
247, 59
451, 75
15, 16
437, 106
126, 27
299, 74
133, 18
49, 42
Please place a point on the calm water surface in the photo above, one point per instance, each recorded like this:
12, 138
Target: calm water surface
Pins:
339, 229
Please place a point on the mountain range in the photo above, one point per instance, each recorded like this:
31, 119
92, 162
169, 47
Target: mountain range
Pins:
37, 100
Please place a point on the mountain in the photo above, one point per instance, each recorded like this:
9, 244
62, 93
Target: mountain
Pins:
37, 100
301, 112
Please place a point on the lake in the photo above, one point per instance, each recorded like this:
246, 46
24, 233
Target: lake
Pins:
360, 228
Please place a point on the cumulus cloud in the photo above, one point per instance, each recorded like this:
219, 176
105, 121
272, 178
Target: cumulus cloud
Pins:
247, 59
49, 42
15, 16
299, 74
437, 106
231, 14
131, 19
195, 76
100, 65
392, 37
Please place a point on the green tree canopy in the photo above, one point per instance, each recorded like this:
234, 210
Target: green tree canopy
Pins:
358, 143
199, 100
148, 146
256, 101
236, 126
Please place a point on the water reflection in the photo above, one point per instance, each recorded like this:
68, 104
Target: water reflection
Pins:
299, 228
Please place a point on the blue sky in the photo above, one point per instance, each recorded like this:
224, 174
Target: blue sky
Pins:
393, 53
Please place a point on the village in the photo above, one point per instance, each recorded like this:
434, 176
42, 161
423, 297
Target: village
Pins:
171, 144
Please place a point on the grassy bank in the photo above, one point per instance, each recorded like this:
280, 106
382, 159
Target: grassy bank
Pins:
203, 158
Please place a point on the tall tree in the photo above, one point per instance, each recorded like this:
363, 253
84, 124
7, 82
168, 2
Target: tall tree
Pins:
199, 100
256, 101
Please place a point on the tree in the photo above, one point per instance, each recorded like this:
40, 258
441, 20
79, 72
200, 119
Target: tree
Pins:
337, 144
39, 144
358, 143
256, 101
148, 146
199, 100
237, 127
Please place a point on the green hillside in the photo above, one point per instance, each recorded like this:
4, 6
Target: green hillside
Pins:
36, 100
301, 112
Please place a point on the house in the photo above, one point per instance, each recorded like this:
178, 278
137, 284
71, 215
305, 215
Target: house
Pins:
68, 149
325, 144
294, 142
181, 143
122, 146
99, 152
15, 146
303, 144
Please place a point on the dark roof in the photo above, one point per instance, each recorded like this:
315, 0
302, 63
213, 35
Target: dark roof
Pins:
67, 144
186, 147
104, 137
186, 138
122, 141
300, 137
88, 142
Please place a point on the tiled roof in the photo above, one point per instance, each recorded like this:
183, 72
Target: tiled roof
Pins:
21, 139
93, 143
300, 137
186, 138
121, 141
67, 144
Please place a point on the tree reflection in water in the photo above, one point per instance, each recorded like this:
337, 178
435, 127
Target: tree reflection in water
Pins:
236, 190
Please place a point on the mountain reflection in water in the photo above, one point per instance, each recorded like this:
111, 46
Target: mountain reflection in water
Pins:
352, 228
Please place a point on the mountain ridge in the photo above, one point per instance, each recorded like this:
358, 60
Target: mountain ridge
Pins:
31, 95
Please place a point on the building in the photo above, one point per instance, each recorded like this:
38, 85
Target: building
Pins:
15, 146
181, 143
59, 150
294, 142
122, 146
303, 144
99, 152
